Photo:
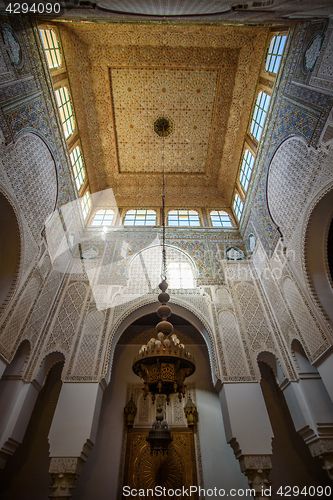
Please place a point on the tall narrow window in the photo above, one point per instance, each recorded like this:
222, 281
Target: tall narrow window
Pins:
183, 218
274, 53
78, 168
220, 218
238, 206
246, 169
259, 114
86, 204
65, 110
51, 48
103, 218
140, 217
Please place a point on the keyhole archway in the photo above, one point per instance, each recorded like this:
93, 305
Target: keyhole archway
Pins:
213, 453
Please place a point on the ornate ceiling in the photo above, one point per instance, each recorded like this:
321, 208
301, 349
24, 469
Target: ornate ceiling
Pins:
123, 76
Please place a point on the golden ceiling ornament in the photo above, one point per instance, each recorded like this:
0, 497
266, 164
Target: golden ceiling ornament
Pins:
163, 126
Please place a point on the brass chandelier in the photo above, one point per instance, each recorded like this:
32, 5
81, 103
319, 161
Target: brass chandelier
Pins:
163, 363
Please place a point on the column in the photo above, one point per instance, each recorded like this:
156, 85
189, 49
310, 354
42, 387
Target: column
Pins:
73, 433
249, 432
18, 399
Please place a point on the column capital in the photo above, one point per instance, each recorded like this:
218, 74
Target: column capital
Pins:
323, 449
257, 468
64, 471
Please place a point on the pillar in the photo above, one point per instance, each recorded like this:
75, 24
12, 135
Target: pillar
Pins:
18, 399
311, 410
73, 433
249, 432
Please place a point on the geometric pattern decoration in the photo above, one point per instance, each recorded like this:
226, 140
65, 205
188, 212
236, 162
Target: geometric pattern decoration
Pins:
14, 325
43, 306
255, 322
87, 351
64, 328
36, 187
291, 177
145, 270
237, 367
314, 339
141, 95
211, 75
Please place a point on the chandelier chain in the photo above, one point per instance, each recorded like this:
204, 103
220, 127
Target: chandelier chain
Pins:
164, 268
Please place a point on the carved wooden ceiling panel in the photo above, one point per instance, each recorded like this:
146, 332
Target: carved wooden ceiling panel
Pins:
202, 77
185, 96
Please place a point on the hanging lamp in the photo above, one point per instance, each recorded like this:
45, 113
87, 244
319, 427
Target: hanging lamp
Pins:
163, 363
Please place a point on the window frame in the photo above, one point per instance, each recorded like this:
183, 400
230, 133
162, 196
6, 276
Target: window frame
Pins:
243, 172
219, 215
238, 207
68, 122
136, 218
257, 127
103, 218
278, 55
51, 52
81, 171
184, 210
86, 201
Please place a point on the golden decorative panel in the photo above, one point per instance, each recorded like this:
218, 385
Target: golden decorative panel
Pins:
202, 77
174, 471
185, 96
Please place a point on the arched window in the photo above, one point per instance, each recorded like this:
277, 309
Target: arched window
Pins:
140, 217
238, 206
220, 218
51, 48
65, 110
86, 204
78, 168
274, 53
259, 115
246, 169
183, 218
103, 218
180, 275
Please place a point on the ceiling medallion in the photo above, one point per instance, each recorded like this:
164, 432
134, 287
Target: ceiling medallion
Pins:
163, 126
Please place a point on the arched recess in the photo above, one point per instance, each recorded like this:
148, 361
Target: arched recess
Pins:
318, 258
141, 310
272, 361
48, 362
10, 250
31, 169
291, 458
291, 177
144, 269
